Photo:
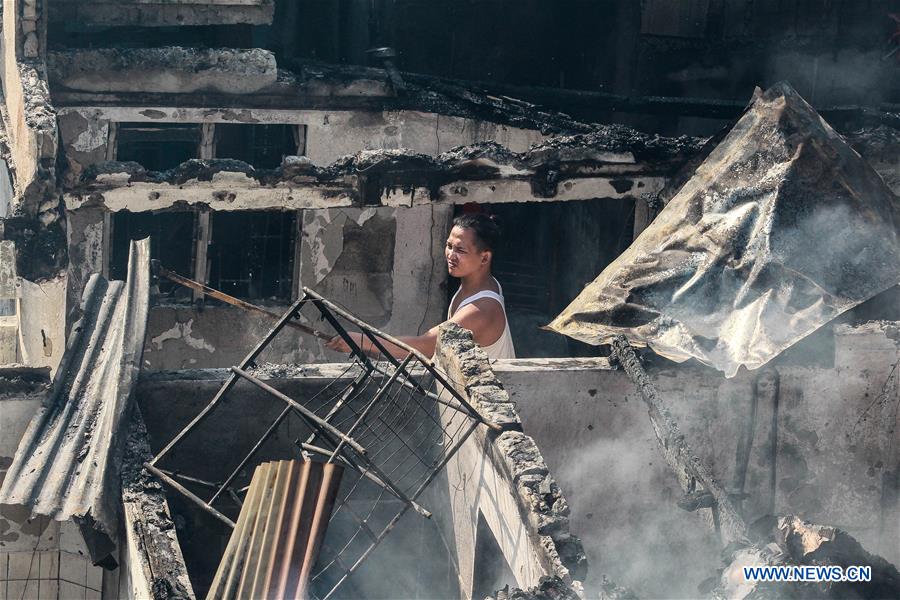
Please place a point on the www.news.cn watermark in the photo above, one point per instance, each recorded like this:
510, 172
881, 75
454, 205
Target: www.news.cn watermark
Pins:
808, 574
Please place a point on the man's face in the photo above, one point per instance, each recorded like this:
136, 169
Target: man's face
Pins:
462, 253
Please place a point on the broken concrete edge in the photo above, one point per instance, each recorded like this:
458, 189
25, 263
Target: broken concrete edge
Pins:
610, 149
16, 380
516, 456
162, 13
30, 39
33, 142
171, 69
548, 588
582, 167
155, 560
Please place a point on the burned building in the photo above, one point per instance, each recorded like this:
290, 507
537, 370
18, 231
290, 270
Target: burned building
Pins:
286, 154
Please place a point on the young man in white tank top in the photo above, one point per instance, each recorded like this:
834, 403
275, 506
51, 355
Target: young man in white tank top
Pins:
477, 305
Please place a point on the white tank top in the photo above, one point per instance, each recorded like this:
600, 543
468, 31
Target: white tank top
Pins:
503, 347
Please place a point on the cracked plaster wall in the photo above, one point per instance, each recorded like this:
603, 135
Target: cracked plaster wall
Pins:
837, 459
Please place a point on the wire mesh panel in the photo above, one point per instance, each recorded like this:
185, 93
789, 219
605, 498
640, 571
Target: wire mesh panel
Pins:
391, 420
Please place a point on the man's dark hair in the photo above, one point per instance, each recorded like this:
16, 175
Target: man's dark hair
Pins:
486, 228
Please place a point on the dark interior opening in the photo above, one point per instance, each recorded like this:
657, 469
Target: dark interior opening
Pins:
492, 572
263, 146
548, 252
171, 242
158, 146
251, 254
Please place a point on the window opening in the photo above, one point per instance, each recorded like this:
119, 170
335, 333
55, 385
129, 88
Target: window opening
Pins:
158, 146
251, 254
263, 146
171, 242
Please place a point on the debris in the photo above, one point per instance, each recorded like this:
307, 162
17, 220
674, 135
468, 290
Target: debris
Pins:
795, 542
690, 470
548, 588
157, 566
365, 431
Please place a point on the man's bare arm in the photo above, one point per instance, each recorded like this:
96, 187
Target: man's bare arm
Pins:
484, 318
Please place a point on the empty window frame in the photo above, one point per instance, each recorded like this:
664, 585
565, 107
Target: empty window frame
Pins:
171, 242
262, 146
157, 146
251, 254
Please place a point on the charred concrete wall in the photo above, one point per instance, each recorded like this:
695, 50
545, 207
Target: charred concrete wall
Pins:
329, 134
835, 460
383, 262
29, 116
161, 13
503, 479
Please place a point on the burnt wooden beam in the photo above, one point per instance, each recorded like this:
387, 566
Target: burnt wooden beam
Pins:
692, 474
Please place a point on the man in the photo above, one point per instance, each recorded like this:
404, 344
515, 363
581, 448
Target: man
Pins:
478, 304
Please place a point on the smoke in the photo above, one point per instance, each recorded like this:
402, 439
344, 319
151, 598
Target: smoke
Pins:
624, 509
834, 428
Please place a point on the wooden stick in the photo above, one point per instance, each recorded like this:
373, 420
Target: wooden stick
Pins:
212, 293
688, 467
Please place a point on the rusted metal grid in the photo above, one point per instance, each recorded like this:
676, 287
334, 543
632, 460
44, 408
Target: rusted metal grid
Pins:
393, 424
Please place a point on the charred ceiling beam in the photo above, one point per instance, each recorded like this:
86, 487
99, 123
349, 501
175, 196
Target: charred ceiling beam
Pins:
591, 105
485, 173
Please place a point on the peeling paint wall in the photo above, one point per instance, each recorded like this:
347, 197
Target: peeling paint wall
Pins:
383, 263
42, 322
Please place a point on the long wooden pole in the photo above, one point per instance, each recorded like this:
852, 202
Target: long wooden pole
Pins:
688, 467
222, 296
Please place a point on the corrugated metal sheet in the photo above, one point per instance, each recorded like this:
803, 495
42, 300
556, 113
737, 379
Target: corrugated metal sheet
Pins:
68, 463
276, 540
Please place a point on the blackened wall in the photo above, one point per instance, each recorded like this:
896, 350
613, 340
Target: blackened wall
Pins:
835, 52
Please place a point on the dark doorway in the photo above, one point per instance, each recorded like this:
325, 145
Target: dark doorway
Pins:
548, 252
